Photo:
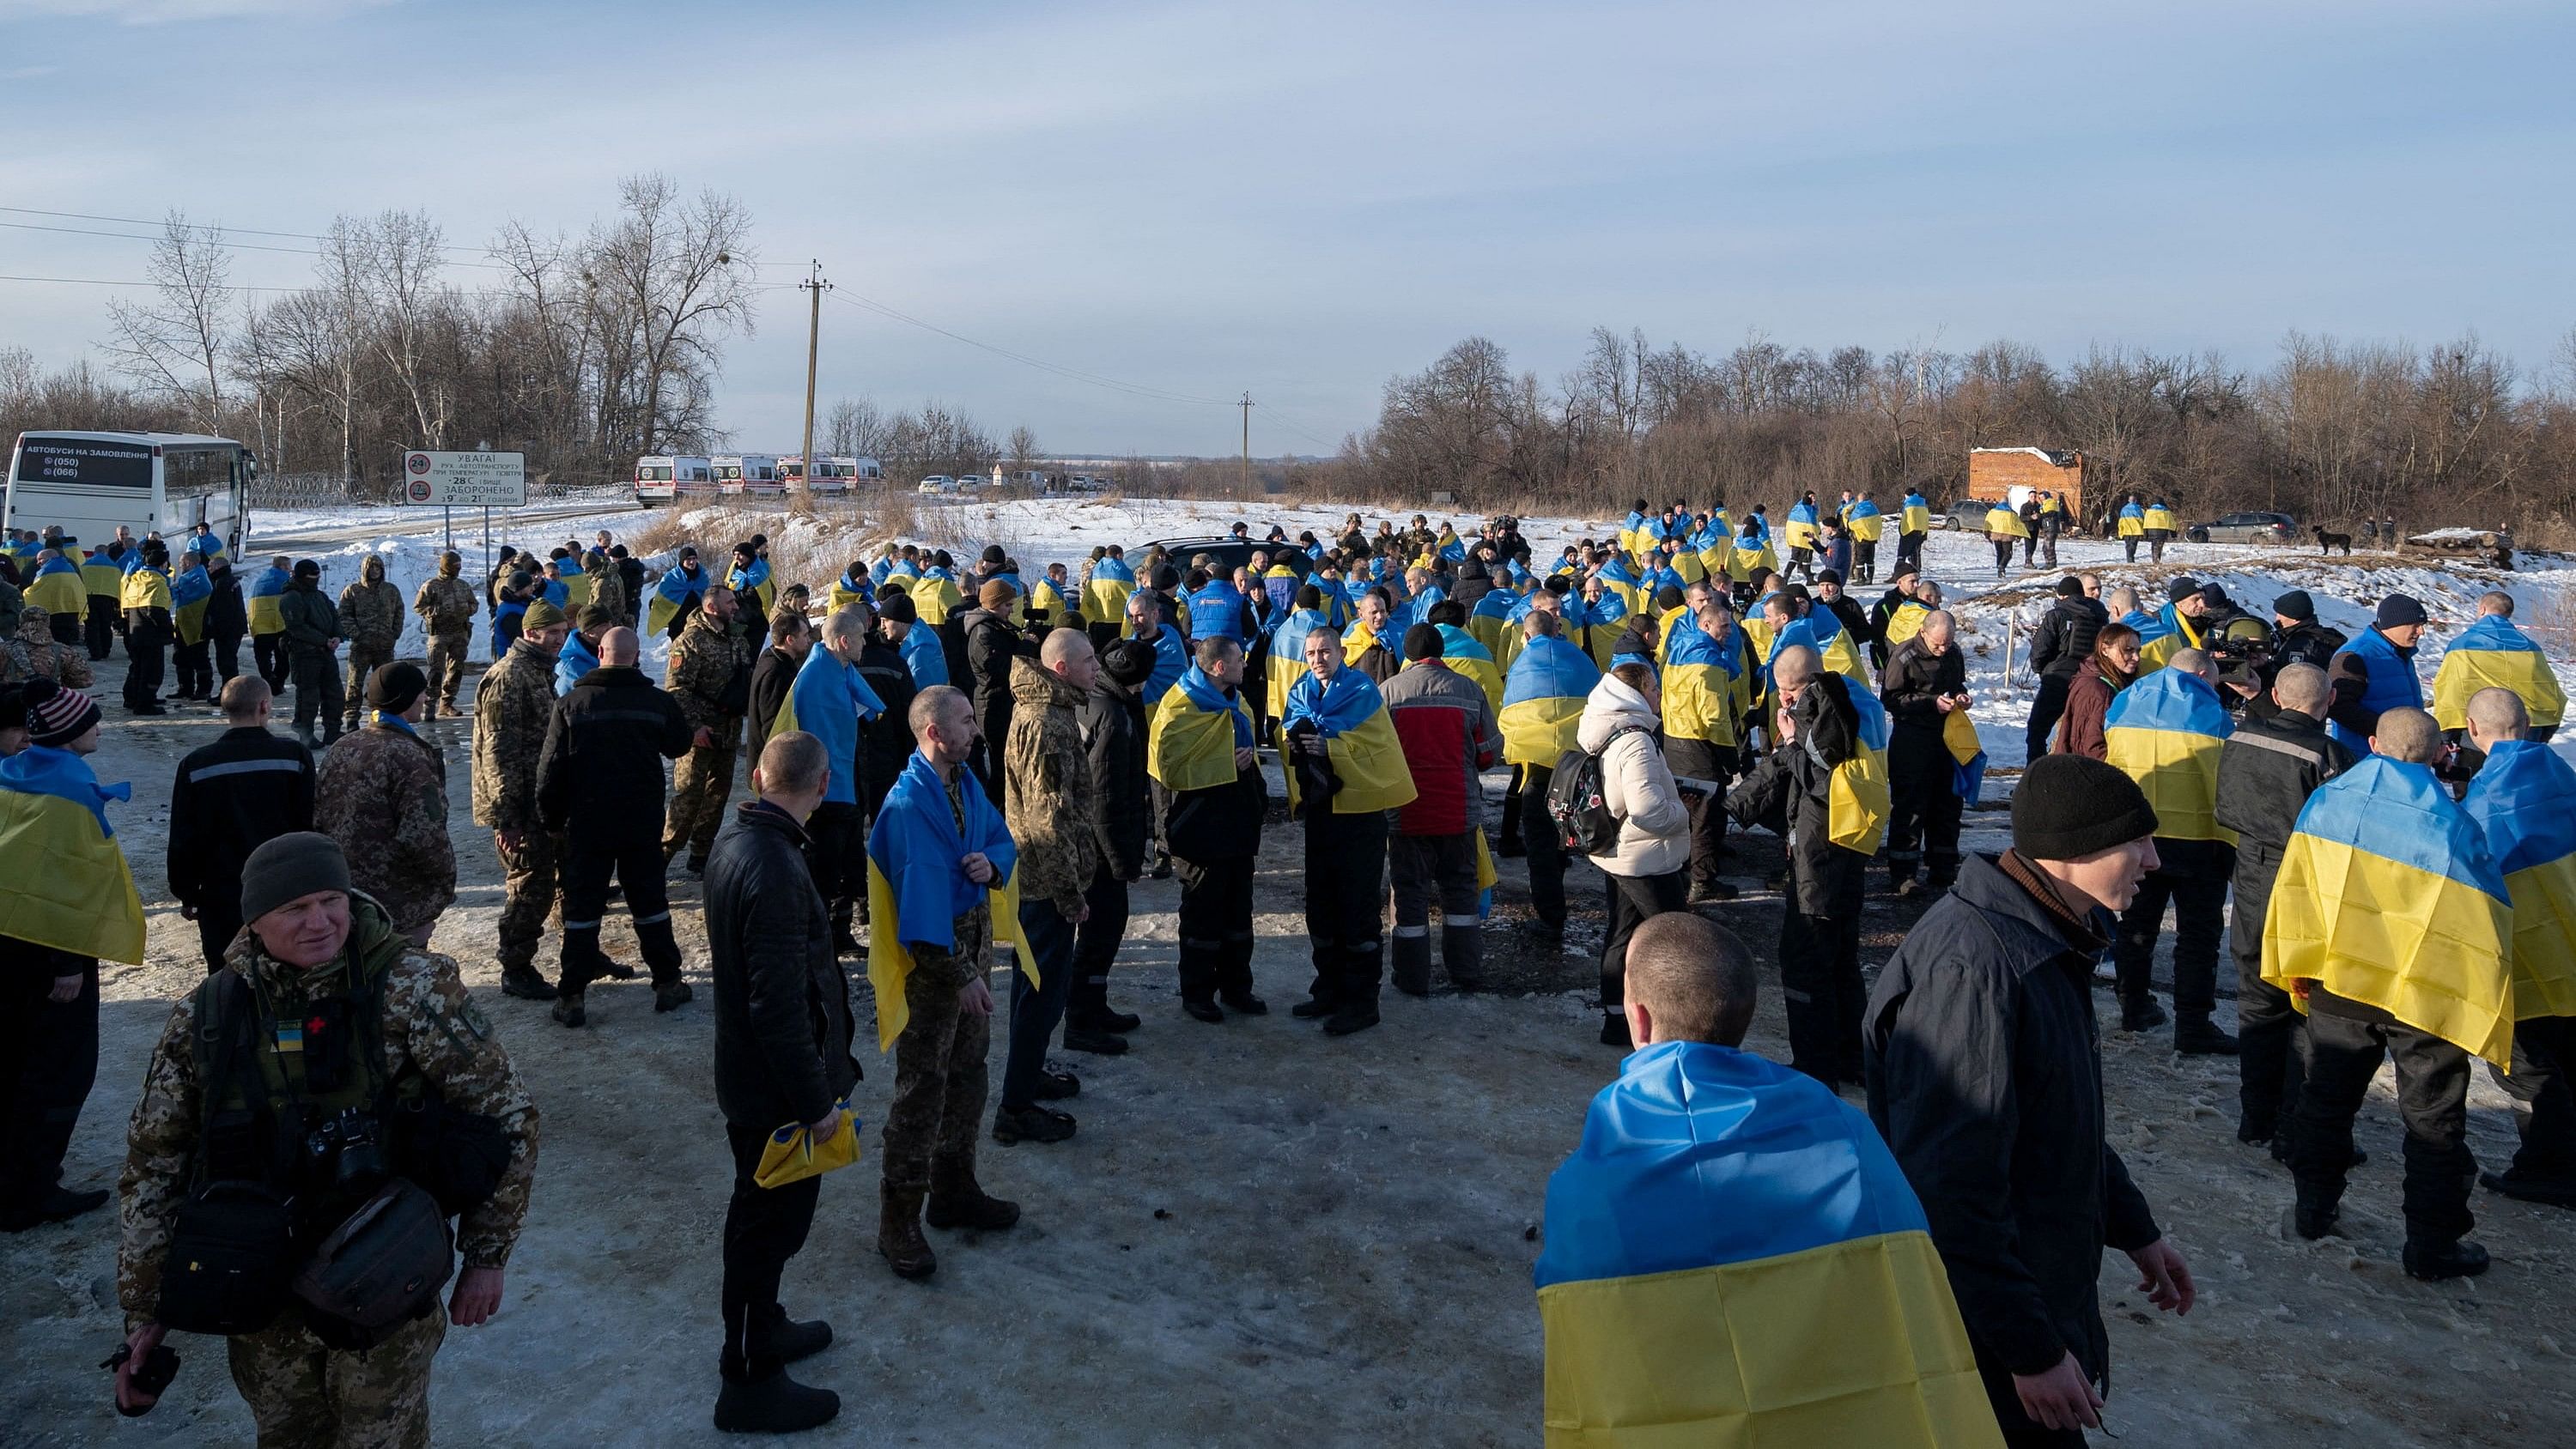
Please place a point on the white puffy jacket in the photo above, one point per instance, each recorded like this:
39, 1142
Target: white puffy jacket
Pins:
1654, 821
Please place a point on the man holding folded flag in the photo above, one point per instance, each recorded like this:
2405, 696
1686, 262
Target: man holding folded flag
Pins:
940, 864
1346, 769
2390, 921
2489, 654
2524, 800
1732, 1255
1199, 747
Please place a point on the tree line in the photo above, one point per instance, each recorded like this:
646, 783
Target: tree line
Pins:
2330, 431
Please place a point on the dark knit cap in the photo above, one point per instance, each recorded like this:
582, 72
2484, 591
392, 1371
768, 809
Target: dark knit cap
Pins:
2398, 610
2177, 590
899, 607
2070, 587
2073, 805
290, 867
2215, 596
1829, 576
1423, 641
2296, 605
1129, 661
993, 555
393, 687
306, 568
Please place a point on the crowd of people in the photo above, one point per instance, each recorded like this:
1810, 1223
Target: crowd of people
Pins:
948, 764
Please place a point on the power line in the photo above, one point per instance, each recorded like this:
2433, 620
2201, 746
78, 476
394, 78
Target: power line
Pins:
112, 282
221, 229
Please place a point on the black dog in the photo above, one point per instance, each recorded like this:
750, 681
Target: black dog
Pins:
2328, 542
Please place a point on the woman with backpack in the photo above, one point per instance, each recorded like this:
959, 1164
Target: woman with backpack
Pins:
1647, 860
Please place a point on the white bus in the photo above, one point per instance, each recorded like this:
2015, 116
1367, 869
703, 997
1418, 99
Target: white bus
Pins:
164, 483
832, 475
667, 479
750, 473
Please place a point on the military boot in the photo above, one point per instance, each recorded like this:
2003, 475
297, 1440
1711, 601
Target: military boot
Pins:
899, 1238
957, 1202
521, 979
1462, 951
2195, 1035
662, 957
1413, 963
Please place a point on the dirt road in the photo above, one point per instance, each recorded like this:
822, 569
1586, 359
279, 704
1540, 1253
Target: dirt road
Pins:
1260, 1237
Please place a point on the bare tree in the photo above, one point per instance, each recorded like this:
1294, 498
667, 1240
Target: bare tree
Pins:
1022, 449
857, 428
174, 344
679, 275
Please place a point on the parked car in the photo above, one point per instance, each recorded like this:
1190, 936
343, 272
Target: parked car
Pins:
1968, 515
938, 483
1229, 552
2244, 528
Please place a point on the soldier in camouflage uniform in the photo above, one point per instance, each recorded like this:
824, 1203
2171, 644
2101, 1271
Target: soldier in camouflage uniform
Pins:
512, 706
607, 586
446, 608
371, 619
710, 667
310, 939
34, 654
382, 795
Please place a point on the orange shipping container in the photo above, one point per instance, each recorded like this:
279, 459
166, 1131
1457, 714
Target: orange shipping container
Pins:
2012, 474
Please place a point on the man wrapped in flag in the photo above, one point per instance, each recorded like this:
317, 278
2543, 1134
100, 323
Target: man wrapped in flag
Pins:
1345, 770
1732, 1256
830, 700
2166, 732
2132, 528
191, 591
1542, 709
2179, 625
1867, 527
1199, 747
940, 864
677, 593
2524, 801
56, 924
1703, 666
1104, 597
59, 590
2390, 922
2489, 654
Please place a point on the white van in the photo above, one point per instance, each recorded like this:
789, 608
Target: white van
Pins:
751, 473
164, 483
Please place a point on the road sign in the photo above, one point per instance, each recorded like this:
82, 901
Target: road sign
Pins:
465, 480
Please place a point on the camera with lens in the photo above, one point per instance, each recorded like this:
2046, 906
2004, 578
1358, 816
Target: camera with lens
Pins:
354, 1147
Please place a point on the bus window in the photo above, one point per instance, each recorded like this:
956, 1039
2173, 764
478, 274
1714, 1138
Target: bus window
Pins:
196, 472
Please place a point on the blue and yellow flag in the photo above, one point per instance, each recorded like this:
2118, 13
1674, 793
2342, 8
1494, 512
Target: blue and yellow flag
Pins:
2159, 519
58, 588
1460, 651
1699, 685
1632, 532
1866, 523
2166, 732
1734, 1258
2388, 895
1490, 623
2133, 521
1543, 700
1195, 730
1620, 581
917, 884
1367, 758
2174, 632
2524, 802
2001, 519
755, 581
105, 579
1858, 795
1104, 598
828, 699
2489, 654
53, 810
935, 596
1288, 657
189, 593
264, 600
676, 590
1799, 529
147, 588
1171, 661
1915, 515
1602, 620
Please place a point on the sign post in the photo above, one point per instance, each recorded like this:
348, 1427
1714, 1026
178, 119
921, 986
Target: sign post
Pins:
450, 480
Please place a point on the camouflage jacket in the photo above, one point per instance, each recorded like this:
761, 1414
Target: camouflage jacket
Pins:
382, 794
608, 591
33, 654
703, 661
1052, 808
430, 1025
512, 705
445, 605
371, 612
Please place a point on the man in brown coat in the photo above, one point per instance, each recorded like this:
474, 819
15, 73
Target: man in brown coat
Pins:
371, 619
1053, 809
382, 795
710, 676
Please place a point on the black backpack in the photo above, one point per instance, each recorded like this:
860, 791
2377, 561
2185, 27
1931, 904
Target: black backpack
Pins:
1584, 824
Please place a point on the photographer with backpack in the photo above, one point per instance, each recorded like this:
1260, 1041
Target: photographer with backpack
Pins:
1638, 825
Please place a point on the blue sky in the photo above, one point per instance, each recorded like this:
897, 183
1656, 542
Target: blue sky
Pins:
1302, 200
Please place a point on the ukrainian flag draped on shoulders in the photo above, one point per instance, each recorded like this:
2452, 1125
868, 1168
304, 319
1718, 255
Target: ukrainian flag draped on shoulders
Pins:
2489, 654
1461, 652
1367, 758
58, 588
1734, 1258
1288, 656
754, 580
1191, 740
935, 596
104, 577
189, 593
2166, 732
1859, 798
264, 600
1866, 524
671, 594
1905, 621
53, 810
147, 588
1543, 700
844, 592
829, 700
1490, 622
2133, 521
2174, 632
1915, 515
1602, 620
2524, 801
1799, 531
2388, 895
1699, 686
917, 885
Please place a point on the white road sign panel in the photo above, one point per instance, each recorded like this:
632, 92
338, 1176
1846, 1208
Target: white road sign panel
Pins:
465, 480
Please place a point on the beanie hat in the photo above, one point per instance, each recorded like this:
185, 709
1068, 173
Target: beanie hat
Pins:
2398, 610
393, 687
2296, 605
595, 615
2215, 596
57, 716
306, 568
2177, 590
290, 867
541, 615
1829, 576
1129, 661
898, 607
689, 551
1423, 641
993, 555
2073, 805
2070, 587
996, 594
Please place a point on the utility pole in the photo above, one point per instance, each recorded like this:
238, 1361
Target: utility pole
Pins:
813, 340
1246, 405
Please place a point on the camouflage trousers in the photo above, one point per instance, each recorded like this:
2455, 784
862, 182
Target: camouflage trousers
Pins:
700, 784
447, 665
305, 1396
533, 886
363, 660
939, 1073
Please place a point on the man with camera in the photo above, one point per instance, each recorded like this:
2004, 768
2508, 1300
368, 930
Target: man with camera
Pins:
312, 1117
